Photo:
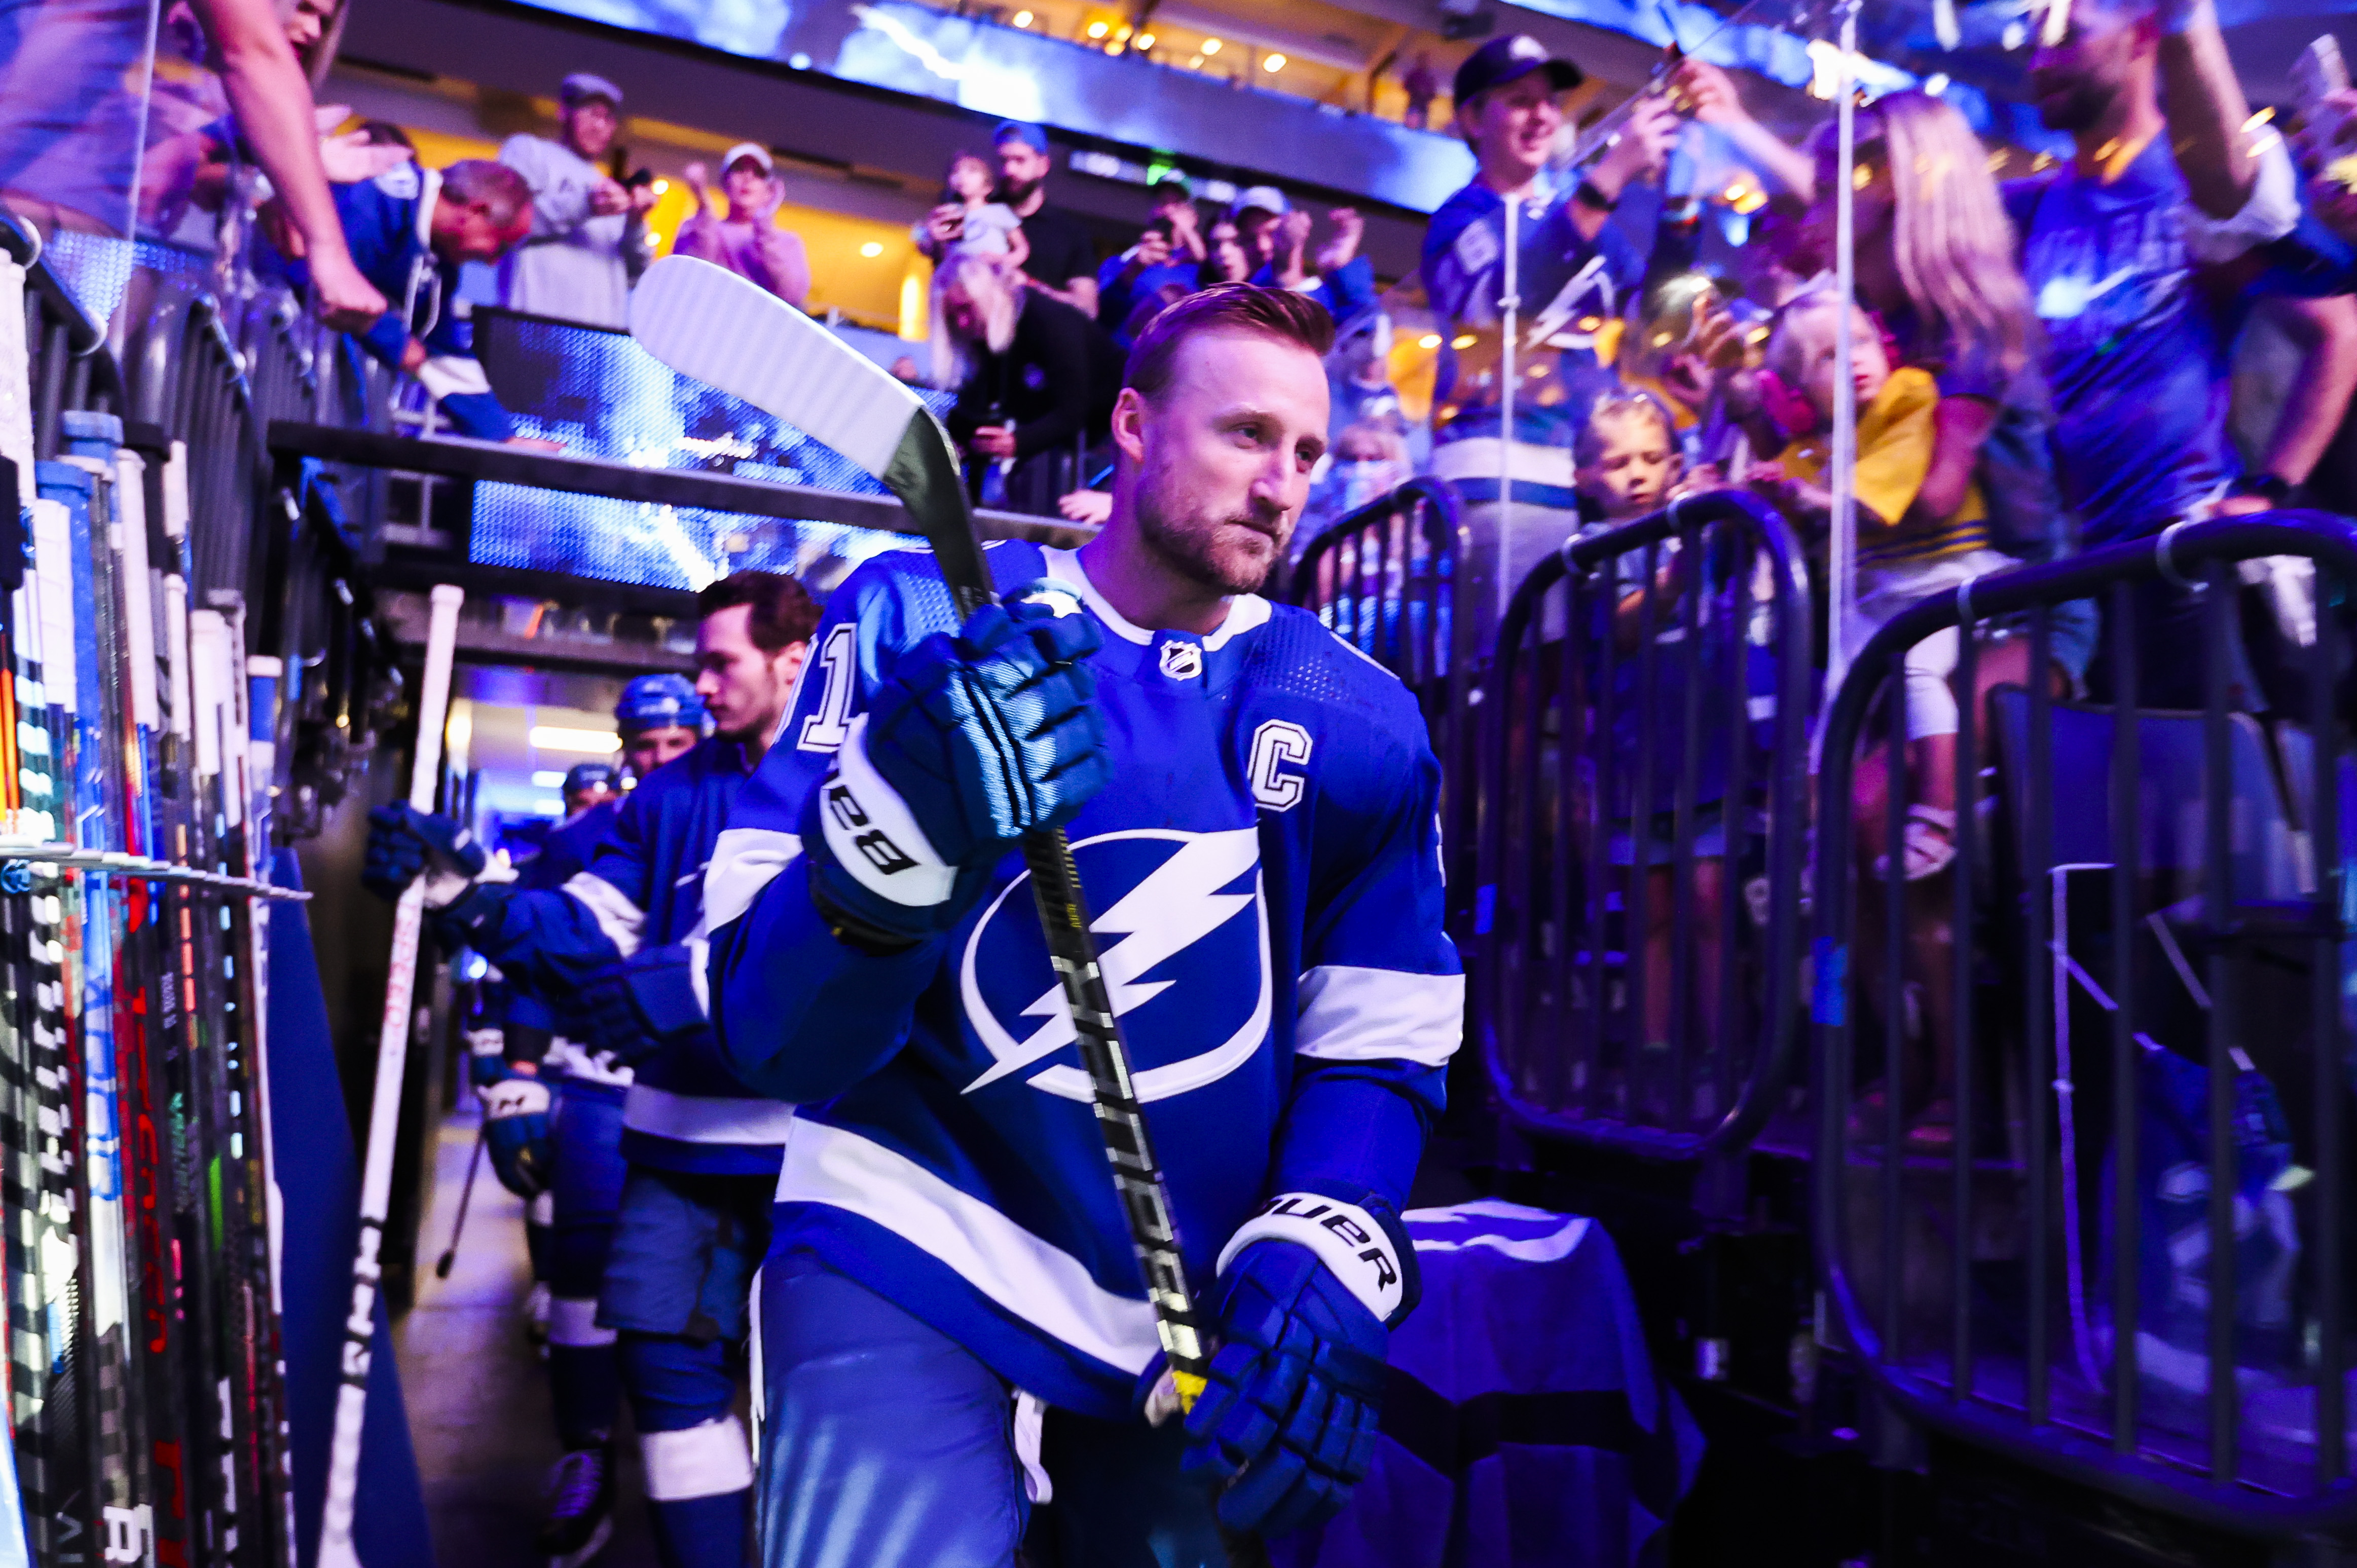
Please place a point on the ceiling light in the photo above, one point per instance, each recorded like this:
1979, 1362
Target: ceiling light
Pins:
661, 186
1022, 18
1273, 63
556, 737
1210, 46
1144, 40
1429, 340
549, 780
1098, 29
872, 250
1463, 340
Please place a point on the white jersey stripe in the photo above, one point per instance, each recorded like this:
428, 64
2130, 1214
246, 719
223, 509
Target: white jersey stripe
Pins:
1042, 1284
1349, 1013
622, 922
709, 1460
705, 1119
743, 862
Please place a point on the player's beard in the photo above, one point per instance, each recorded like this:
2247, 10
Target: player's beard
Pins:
1229, 555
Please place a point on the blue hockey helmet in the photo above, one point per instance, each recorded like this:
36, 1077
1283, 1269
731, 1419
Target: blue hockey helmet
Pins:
584, 777
658, 701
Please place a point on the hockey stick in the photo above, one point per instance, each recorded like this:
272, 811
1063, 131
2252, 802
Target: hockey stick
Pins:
335, 1548
706, 322
465, 1195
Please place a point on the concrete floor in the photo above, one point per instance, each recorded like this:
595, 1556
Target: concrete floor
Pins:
477, 1391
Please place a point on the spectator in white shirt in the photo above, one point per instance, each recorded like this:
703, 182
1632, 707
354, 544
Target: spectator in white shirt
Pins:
587, 227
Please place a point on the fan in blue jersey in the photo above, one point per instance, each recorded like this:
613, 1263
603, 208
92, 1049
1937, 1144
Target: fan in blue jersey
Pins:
1251, 804
681, 1219
410, 229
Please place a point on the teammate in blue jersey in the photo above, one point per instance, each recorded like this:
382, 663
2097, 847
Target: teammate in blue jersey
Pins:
1252, 807
689, 1205
659, 718
509, 1045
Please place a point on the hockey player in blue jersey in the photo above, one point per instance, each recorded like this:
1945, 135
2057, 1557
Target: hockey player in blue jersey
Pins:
508, 1040
1251, 807
659, 718
691, 1212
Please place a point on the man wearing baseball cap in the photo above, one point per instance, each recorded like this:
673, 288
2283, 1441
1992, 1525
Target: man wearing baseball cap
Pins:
1063, 260
1276, 234
748, 241
1573, 272
587, 232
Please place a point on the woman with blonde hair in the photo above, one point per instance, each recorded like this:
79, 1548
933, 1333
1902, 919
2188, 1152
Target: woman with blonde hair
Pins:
1934, 259
1036, 380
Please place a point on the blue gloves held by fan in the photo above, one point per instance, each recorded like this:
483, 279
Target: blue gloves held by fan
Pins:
974, 741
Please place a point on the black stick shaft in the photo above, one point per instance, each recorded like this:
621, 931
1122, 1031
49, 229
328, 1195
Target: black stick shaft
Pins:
925, 476
465, 1195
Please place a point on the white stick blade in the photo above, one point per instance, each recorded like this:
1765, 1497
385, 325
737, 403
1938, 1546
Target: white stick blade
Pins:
731, 334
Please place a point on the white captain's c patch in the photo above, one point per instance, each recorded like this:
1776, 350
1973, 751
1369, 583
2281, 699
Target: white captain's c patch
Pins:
1278, 749
1183, 938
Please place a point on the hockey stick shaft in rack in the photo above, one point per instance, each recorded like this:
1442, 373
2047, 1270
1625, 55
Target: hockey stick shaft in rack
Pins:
707, 323
335, 1548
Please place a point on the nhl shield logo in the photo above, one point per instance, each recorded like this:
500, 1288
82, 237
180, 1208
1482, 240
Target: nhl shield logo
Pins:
1182, 660
1183, 937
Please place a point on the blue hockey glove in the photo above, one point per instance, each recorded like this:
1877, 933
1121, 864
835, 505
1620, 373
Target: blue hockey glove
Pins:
631, 1009
1305, 1291
404, 842
608, 1018
974, 742
515, 1128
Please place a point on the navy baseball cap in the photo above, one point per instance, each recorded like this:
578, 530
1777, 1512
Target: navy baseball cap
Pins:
584, 85
1502, 60
584, 777
1018, 129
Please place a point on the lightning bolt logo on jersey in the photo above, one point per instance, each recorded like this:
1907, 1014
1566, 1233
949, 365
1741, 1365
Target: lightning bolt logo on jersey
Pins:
1191, 934
1264, 885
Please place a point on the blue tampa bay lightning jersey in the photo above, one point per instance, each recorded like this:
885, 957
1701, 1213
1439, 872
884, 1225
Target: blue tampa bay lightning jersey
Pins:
1266, 881
637, 901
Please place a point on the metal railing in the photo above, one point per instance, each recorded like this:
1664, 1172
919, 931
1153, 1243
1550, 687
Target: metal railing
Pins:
2138, 1284
1643, 714
67, 367
1384, 579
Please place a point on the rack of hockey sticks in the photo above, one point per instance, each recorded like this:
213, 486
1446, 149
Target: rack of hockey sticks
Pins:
143, 1387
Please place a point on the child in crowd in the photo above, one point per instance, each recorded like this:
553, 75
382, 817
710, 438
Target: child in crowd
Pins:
1627, 464
1905, 551
1370, 462
968, 222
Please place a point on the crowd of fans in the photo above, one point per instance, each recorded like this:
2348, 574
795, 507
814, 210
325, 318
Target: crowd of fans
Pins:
2038, 367
2043, 363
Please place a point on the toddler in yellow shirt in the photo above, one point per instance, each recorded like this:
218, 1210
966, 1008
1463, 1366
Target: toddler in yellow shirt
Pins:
1902, 555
